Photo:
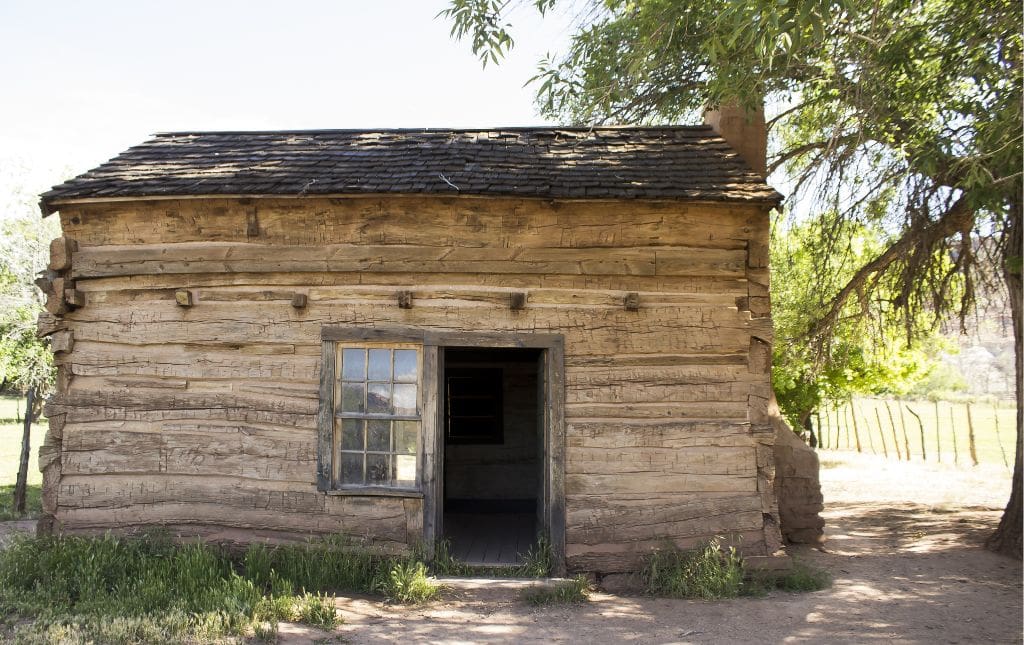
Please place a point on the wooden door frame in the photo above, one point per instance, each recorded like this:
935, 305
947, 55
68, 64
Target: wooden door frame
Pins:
552, 498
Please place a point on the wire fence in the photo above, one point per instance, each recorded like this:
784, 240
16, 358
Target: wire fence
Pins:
954, 432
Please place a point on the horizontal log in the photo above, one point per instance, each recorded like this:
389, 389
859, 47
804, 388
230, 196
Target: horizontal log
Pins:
254, 457
218, 257
597, 520
641, 433
596, 484
135, 287
429, 221
651, 463
673, 410
392, 529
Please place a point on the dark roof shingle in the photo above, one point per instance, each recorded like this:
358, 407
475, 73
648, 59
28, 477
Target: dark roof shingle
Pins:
680, 162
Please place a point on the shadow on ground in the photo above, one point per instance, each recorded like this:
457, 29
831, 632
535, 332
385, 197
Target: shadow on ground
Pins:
914, 574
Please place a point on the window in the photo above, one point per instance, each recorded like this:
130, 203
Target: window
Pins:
473, 406
377, 421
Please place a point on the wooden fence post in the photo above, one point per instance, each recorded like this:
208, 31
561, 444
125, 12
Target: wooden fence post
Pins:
881, 435
856, 431
892, 424
970, 436
1002, 451
952, 422
920, 425
938, 429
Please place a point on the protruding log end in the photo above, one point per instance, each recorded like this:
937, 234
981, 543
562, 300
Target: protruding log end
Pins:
405, 299
183, 297
632, 301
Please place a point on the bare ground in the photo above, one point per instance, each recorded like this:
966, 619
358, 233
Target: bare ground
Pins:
904, 549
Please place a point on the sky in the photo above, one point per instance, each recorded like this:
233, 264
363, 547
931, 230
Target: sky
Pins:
82, 81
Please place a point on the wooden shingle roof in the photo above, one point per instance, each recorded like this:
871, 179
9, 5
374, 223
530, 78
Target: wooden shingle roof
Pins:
678, 162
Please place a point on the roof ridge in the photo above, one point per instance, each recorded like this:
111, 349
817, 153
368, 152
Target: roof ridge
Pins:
515, 128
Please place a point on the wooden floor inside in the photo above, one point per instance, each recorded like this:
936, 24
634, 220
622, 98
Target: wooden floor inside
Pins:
490, 539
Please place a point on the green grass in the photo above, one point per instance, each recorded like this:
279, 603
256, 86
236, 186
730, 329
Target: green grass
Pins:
708, 572
149, 590
571, 591
994, 443
33, 503
711, 572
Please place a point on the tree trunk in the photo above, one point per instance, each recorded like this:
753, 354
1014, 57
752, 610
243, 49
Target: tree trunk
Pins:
22, 481
1008, 537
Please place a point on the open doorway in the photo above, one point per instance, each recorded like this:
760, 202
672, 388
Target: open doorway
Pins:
493, 467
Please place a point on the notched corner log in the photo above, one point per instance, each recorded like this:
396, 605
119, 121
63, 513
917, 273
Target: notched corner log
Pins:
44, 280
48, 324
517, 300
61, 250
299, 300
760, 360
631, 301
183, 297
405, 299
74, 297
62, 341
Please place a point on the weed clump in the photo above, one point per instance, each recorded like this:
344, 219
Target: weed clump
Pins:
575, 590
708, 572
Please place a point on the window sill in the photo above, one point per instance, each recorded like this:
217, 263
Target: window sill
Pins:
376, 492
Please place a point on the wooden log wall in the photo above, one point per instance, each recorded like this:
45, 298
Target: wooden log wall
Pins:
187, 335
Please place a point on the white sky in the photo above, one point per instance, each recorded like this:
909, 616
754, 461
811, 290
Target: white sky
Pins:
82, 81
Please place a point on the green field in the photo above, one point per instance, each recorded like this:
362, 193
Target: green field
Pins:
10, 450
946, 432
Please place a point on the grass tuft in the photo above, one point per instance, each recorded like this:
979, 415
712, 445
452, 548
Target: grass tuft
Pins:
803, 578
408, 583
575, 590
708, 572
538, 560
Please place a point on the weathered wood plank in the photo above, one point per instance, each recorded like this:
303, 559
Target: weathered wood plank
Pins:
219, 257
434, 221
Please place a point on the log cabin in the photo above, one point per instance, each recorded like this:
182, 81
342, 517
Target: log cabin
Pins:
404, 336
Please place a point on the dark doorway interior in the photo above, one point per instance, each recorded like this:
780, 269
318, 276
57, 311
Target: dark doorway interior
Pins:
492, 465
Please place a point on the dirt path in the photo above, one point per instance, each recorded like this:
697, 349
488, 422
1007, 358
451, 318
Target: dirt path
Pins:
904, 550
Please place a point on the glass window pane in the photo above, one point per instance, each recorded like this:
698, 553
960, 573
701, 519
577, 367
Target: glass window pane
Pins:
405, 399
353, 365
379, 398
378, 435
405, 365
351, 468
406, 434
380, 365
352, 397
405, 470
377, 470
351, 434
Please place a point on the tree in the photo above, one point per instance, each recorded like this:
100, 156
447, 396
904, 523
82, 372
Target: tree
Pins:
867, 355
26, 364
903, 114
